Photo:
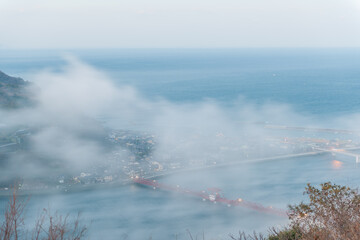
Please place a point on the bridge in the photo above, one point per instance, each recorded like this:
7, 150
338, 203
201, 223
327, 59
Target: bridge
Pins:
8, 147
212, 195
343, 152
233, 163
215, 197
309, 129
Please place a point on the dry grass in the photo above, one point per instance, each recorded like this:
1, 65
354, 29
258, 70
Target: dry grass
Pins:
13, 218
58, 227
244, 236
47, 227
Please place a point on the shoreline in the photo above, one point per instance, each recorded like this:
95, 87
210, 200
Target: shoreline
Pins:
91, 187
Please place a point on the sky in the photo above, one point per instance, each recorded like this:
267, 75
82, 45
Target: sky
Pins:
178, 24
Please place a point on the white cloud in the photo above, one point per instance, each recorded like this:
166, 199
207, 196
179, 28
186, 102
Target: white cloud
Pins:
204, 131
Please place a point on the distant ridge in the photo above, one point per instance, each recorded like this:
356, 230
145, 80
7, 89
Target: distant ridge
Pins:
6, 79
14, 92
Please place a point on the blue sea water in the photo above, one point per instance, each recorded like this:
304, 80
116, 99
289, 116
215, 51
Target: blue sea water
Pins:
315, 81
320, 82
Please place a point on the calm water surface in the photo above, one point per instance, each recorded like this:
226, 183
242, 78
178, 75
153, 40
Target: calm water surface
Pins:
321, 83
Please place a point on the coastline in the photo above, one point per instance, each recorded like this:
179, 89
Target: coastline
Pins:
92, 187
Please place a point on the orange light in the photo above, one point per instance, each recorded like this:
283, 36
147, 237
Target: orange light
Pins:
336, 164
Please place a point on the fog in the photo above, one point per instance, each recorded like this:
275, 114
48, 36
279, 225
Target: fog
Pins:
70, 100
77, 105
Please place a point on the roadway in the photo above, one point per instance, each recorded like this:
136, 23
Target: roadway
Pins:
330, 130
343, 152
8, 145
234, 163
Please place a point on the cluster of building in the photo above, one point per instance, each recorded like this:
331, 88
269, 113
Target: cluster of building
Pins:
133, 153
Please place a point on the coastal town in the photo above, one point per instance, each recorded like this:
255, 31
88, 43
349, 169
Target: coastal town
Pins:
134, 154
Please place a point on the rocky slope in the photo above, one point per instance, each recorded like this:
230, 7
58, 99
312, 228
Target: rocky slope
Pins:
13, 92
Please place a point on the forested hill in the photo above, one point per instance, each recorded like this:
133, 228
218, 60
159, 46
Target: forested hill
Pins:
13, 92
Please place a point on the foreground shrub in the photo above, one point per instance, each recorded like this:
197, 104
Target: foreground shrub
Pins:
333, 213
47, 227
290, 233
13, 218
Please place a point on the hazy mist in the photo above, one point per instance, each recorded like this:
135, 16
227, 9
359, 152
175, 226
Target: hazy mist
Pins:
179, 24
65, 120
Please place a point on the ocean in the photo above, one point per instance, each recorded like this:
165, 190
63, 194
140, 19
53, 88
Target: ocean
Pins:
315, 81
321, 84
